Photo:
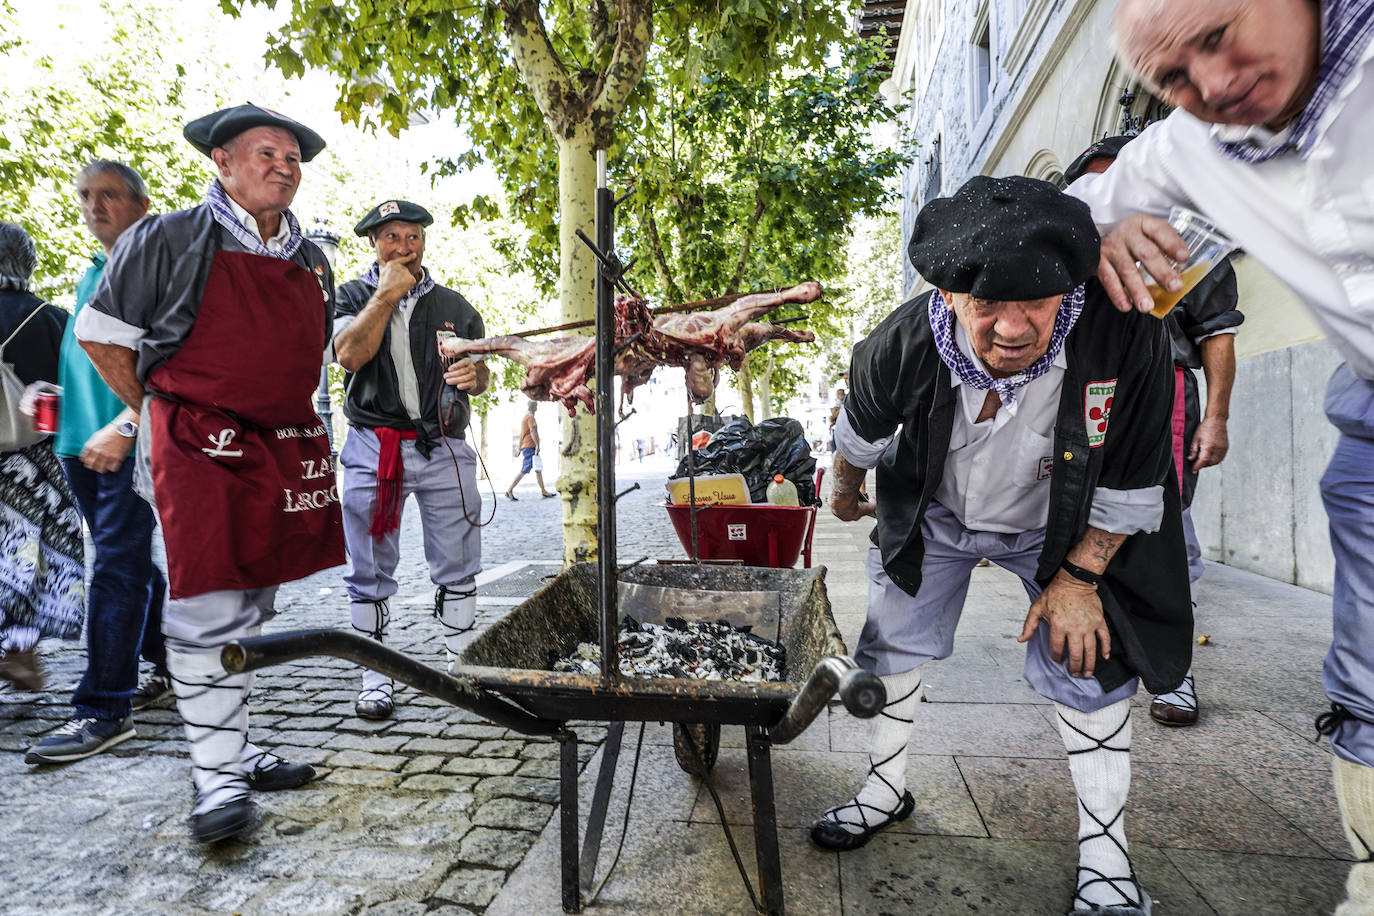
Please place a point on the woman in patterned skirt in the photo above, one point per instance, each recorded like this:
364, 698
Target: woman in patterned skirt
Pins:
42, 578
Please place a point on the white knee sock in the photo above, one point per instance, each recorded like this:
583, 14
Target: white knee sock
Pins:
1355, 793
1185, 696
1099, 746
456, 608
214, 706
371, 618
889, 733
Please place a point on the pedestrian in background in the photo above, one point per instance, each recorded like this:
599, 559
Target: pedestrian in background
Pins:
529, 454
95, 440
42, 580
1202, 330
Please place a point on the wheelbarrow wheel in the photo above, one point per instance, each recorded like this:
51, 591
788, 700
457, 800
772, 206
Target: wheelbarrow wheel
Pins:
705, 737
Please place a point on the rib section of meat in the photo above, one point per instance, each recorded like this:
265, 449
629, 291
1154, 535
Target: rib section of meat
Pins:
559, 368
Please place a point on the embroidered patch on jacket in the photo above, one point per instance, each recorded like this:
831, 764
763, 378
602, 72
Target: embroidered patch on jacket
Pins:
1097, 409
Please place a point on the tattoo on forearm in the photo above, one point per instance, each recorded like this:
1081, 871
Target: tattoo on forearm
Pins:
1102, 547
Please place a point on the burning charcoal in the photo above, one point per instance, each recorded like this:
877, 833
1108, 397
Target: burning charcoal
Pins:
696, 650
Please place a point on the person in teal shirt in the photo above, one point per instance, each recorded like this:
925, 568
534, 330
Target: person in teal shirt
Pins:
95, 441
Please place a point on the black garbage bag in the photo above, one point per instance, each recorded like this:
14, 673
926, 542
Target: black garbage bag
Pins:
776, 446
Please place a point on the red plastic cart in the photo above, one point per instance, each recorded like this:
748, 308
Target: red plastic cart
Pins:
759, 534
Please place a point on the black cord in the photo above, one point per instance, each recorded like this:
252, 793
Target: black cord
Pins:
625, 824
462, 494
720, 810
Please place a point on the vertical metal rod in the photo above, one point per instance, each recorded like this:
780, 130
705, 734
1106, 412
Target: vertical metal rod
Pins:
692, 483
323, 407
605, 430
765, 821
567, 825
601, 800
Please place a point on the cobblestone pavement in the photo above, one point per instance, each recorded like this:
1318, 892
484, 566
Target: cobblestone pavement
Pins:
426, 812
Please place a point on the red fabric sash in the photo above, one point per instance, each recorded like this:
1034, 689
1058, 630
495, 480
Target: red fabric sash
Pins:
1180, 421
386, 513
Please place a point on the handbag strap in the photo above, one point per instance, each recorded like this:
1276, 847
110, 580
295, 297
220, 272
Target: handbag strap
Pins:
36, 309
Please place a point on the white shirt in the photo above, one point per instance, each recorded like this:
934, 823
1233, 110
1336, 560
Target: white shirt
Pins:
997, 473
1310, 221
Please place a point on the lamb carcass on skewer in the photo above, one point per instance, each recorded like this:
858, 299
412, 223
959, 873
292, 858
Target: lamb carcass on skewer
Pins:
559, 368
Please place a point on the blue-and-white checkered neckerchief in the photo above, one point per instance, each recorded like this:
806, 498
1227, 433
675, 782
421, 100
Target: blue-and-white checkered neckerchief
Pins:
942, 323
426, 283
1347, 26
224, 215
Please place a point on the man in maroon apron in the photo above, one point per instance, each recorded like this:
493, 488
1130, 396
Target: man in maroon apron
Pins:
213, 321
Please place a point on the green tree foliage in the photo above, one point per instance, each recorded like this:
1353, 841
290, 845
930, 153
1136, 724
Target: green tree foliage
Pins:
537, 87
62, 110
396, 59
751, 184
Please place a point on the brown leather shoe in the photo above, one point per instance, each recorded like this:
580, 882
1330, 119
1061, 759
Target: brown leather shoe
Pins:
1178, 708
21, 668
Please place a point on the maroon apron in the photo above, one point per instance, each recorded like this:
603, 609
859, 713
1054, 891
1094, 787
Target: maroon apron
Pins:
242, 473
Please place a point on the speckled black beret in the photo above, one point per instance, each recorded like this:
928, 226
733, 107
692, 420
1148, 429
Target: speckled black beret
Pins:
218, 128
1005, 238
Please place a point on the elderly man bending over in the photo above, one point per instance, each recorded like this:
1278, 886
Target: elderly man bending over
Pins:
1014, 414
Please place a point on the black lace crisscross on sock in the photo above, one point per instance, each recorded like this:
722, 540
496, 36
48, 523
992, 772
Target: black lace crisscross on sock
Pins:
444, 592
383, 618
1127, 887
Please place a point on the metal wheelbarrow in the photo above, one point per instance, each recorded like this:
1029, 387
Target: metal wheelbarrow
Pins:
506, 677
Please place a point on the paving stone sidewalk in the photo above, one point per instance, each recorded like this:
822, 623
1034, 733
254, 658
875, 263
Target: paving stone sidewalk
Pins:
426, 812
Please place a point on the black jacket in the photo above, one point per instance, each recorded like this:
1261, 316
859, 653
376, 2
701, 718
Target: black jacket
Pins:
897, 379
1208, 308
33, 352
373, 393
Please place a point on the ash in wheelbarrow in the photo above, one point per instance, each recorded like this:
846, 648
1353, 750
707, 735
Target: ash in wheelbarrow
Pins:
506, 676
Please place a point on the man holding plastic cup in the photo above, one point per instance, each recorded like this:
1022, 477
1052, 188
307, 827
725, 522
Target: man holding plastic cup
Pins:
1202, 330
1270, 141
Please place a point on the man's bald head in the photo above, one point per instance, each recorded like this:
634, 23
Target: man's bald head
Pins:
1241, 62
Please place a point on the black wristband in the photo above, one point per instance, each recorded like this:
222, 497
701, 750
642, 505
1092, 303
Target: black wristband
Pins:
1081, 574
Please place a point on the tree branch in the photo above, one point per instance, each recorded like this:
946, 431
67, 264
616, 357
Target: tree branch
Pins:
649, 226
634, 31
738, 276
558, 98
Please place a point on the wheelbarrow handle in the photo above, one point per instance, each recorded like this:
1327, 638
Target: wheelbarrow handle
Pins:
861, 692
263, 651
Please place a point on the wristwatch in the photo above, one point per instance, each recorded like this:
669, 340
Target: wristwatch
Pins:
127, 428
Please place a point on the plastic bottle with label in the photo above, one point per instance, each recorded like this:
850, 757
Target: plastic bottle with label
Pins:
782, 492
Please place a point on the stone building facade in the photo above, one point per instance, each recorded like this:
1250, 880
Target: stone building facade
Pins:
1020, 87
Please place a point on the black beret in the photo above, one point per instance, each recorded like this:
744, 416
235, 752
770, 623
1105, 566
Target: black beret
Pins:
388, 210
224, 125
1106, 148
1005, 238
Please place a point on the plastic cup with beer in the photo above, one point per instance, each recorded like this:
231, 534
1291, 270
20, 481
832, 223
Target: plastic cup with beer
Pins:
1207, 246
